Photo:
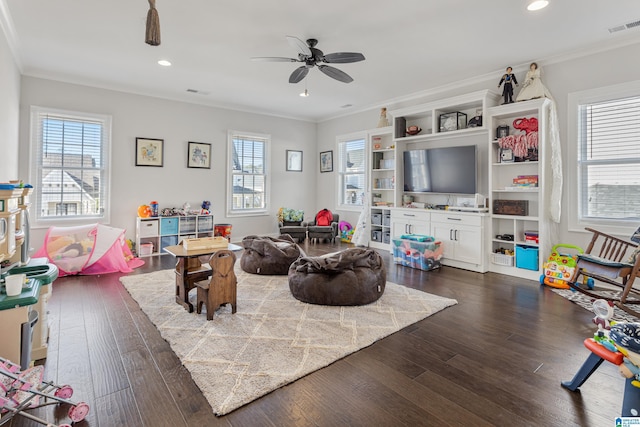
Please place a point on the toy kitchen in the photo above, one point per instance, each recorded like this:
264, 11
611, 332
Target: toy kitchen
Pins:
25, 284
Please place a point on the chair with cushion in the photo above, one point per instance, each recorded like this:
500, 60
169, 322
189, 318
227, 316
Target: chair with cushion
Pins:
324, 232
269, 255
355, 276
291, 222
614, 261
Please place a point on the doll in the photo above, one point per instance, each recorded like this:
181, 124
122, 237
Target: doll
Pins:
509, 80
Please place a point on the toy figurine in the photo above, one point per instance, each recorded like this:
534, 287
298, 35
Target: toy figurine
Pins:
509, 80
206, 207
532, 88
383, 122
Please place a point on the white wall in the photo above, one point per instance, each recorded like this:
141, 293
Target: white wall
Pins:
9, 113
600, 69
177, 123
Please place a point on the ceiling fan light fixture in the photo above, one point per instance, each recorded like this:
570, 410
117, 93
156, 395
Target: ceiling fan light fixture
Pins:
304, 94
537, 4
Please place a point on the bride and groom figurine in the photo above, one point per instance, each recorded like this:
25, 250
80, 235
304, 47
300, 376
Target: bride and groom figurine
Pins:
532, 87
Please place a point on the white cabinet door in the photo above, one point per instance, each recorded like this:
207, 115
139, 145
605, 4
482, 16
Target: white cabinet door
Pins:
445, 234
407, 221
468, 244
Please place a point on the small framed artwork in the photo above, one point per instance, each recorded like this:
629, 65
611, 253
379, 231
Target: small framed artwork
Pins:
506, 155
199, 155
326, 161
149, 152
294, 161
502, 131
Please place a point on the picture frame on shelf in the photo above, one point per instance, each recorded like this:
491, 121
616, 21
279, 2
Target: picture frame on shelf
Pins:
149, 152
198, 155
326, 161
502, 131
294, 161
506, 155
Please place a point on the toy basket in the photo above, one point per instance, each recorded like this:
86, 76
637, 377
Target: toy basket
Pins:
502, 259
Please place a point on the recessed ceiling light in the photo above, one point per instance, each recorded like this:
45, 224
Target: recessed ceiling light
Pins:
537, 4
164, 63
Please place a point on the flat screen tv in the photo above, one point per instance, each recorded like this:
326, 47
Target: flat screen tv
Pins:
451, 170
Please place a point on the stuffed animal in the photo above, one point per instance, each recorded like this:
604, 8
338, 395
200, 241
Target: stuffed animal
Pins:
206, 207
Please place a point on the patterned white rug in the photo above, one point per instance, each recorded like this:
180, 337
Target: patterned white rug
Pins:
273, 339
586, 302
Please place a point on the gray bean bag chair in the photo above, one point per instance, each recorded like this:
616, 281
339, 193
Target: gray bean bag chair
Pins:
269, 255
355, 276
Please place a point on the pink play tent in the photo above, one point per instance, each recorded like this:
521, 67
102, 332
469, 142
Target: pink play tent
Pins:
88, 249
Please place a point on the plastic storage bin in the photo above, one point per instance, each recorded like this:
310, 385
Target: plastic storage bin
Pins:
146, 249
527, 257
376, 235
376, 219
419, 255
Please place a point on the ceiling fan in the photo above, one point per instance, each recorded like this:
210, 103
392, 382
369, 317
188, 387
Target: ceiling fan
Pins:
310, 56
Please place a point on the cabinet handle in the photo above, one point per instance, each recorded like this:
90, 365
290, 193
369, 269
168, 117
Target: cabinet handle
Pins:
411, 215
454, 219
457, 235
450, 234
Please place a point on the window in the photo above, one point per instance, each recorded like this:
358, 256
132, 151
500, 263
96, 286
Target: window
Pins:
351, 171
69, 165
607, 158
248, 174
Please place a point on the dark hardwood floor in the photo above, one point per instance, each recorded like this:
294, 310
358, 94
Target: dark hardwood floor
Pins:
496, 358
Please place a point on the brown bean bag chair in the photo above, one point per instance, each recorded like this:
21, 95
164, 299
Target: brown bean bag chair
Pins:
269, 255
355, 276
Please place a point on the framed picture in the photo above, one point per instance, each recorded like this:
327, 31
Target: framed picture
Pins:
149, 152
506, 155
502, 131
294, 161
199, 155
326, 161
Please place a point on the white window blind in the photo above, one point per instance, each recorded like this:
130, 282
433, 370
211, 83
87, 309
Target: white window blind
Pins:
609, 159
352, 172
248, 181
70, 165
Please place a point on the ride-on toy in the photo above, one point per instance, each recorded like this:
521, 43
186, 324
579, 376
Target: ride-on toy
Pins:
559, 268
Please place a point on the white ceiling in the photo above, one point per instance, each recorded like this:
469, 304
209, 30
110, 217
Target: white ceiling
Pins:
410, 46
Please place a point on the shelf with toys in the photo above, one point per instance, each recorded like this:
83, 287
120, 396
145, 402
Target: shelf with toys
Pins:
169, 227
518, 182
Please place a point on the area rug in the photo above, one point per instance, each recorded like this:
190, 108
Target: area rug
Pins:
272, 339
586, 302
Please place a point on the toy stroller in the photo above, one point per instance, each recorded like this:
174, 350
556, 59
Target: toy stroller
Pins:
23, 390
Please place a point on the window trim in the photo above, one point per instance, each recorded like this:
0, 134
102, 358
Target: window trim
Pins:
267, 173
575, 100
354, 136
35, 177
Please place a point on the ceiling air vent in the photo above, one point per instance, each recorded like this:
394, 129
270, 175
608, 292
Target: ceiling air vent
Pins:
199, 92
627, 26
633, 24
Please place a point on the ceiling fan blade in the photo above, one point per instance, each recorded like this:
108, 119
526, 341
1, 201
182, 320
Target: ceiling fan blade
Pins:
298, 74
343, 57
299, 45
334, 73
273, 59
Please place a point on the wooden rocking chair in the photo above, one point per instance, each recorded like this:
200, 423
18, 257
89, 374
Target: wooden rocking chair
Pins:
610, 260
